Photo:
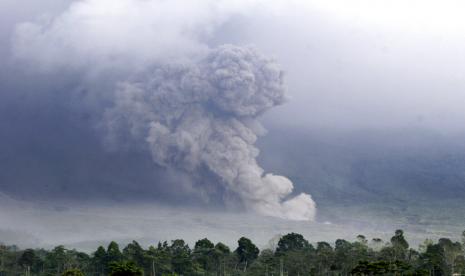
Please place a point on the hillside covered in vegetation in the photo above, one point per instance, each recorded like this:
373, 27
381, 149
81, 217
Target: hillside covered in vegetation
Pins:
292, 254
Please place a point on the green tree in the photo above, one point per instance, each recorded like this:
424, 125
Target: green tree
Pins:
204, 254
463, 240
221, 253
125, 269
459, 265
292, 242
181, 257
222, 248
113, 253
203, 244
433, 260
72, 272
135, 253
160, 259
99, 260
451, 251
27, 260
398, 240
343, 258
297, 262
55, 260
246, 251
324, 258
266, 264
382, 268
400, 245
76, 259
362, 239
359, 250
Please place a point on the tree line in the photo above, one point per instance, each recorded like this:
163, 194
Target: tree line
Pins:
292, 255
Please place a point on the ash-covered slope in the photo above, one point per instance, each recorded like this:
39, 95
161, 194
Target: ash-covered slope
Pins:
396, 171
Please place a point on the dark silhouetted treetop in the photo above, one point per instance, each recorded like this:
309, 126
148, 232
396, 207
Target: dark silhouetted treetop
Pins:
291, 242
398, 240
72, 272
125, 269
246, 250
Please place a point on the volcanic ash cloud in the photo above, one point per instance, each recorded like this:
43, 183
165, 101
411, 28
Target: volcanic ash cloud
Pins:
203, 114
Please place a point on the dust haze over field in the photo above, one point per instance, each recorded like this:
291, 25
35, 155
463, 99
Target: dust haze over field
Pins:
321, 114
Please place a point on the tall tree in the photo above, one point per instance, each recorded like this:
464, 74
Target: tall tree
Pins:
125, 269
400, 245
399, 240
246, 251
203, 254
433, 260
113, 253
135, 253
292, 242
159, 259
98, 260
221, 254
325, 257
181, 257
55, 260
451, 251
72, 272
27, 260
343, 256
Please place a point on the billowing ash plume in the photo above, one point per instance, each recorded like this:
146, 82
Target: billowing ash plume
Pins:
195, 110
204, 115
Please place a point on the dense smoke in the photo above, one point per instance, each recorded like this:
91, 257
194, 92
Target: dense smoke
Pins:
204, 115
194, 107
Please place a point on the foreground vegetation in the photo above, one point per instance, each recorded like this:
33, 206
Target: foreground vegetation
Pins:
292, 255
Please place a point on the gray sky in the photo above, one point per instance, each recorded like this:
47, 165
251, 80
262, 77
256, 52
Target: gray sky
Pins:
368, 63
364, 64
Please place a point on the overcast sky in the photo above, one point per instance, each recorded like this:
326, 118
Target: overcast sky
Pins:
357, 64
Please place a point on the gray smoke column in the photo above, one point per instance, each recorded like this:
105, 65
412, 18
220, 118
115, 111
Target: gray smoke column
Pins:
194, 108
204, 115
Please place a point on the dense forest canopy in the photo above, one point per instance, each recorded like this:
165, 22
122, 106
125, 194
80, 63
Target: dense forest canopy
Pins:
292, 255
